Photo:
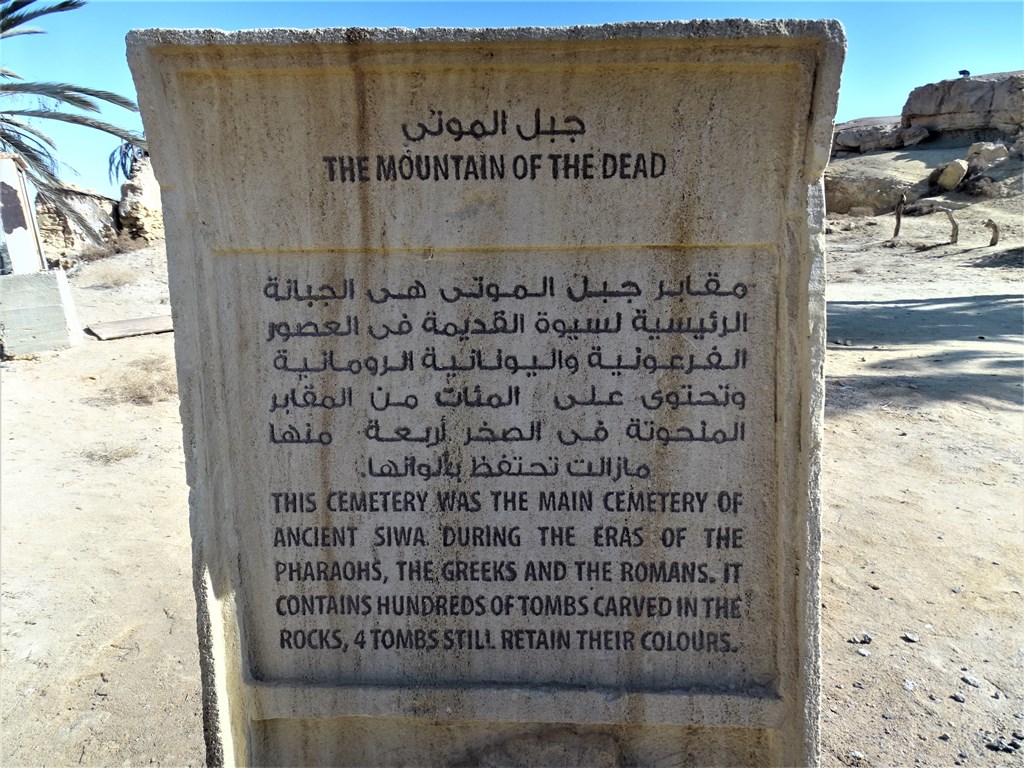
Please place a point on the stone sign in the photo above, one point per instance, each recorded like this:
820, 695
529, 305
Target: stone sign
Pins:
499, 356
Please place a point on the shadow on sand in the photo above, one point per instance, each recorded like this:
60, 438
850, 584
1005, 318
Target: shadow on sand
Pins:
990, 368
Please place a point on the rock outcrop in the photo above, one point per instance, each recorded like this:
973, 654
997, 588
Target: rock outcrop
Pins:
62, 238
136, 216
984, 154
942, 123
868, 196
139, 210
977, 103
954, 111
875, 133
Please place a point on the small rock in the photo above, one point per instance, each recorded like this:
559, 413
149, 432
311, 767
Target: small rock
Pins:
1002, 745
909, 685
1018, 735
971, 681
914, 135
982, 154
859, 685
862, 639
958, 698
943, 737
910, 638
863, 651
952, 174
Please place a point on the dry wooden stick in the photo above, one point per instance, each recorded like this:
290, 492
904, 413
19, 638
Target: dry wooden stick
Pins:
955, 235
956, 228
899, 214
995, 232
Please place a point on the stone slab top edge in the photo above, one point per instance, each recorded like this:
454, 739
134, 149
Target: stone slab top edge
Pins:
828, 30
827, 34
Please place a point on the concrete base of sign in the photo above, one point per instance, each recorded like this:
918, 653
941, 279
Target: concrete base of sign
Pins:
37, 313
451, 308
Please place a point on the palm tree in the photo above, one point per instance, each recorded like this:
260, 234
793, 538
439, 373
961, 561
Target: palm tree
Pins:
56, 101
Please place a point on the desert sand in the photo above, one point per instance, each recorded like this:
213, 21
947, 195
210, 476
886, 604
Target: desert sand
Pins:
922, 566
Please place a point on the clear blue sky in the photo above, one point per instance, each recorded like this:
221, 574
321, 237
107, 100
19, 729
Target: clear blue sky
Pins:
892, 46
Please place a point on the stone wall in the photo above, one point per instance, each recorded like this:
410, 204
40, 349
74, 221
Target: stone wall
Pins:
136, 216
63, 238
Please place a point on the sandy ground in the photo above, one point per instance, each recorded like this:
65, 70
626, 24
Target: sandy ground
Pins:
922, 522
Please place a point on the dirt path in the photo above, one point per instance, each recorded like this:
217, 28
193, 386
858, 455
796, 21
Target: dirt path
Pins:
922, 544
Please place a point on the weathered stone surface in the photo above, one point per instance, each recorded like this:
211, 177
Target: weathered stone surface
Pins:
876, 194
952, 174
868, 138
915, 135
1017, 149
983, 154
875, 133
139, 210
63, 238
500, 386
37, 313
993, 101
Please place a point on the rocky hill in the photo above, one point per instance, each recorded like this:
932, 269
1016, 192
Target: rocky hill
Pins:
956, 142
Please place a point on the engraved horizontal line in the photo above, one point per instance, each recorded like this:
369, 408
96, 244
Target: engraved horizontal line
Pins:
760, 708
431, 250
242, 67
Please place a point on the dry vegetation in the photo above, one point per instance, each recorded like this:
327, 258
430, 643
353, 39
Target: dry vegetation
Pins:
144, 381
111, 275
109, 453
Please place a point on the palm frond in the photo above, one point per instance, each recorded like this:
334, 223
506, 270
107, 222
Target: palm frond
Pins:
9, 123
83, 120
72, 95
58, 196
13, 13
31, 151
31, 144
25, 31
121, 160
39, 161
